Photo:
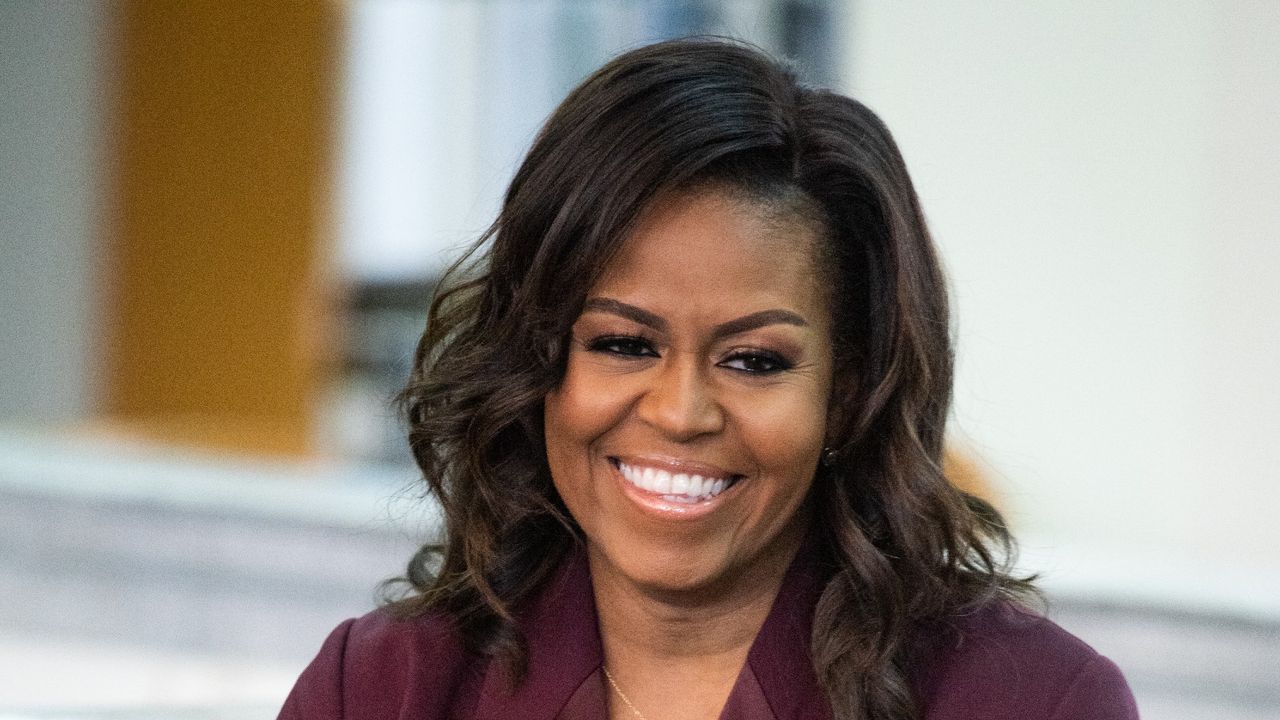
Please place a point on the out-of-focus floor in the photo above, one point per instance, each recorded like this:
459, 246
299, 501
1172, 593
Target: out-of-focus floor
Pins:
142, 583
138, 584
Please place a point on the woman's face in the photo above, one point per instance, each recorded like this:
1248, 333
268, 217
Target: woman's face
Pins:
686, 432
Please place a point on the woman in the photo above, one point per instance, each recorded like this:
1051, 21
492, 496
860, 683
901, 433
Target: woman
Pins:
685, 419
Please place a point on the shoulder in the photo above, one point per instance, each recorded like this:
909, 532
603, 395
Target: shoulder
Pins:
382, 666
1002, 661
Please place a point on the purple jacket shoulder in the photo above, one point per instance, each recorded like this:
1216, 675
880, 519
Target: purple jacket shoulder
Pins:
382, 667
1005, 662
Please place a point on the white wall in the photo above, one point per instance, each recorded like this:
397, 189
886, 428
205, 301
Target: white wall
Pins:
1104, 182
441, 101
409, 189
50, 101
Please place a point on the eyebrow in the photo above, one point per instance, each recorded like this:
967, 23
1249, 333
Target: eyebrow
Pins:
736, 326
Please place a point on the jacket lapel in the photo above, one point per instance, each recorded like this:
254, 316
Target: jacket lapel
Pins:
779, 657
564, 650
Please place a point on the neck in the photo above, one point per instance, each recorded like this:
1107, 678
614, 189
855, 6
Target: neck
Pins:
686, 646
668, 625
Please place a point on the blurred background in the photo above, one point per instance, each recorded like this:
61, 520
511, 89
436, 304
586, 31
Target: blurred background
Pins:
220, 223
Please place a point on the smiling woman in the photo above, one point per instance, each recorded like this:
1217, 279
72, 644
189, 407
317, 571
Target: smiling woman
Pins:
685, 419
685, 433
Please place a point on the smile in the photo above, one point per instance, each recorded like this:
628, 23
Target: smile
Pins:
675, 487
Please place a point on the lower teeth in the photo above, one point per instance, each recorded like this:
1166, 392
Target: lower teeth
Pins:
685, 498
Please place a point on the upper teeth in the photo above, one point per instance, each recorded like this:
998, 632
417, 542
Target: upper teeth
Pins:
674, 485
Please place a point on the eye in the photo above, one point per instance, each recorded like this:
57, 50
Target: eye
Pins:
623, 345
756, 362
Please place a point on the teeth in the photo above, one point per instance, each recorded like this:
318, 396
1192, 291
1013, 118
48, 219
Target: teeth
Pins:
679, 487
695, 486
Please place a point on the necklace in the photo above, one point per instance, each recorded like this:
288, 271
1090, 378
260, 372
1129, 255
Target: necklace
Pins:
609, 676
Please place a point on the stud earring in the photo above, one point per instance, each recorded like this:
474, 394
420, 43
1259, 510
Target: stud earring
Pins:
828, 457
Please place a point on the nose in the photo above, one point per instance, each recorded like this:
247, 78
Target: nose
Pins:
680, 400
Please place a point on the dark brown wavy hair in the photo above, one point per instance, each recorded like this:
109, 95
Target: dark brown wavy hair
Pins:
905, 547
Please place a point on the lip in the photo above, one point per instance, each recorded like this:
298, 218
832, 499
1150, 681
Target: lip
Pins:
656, 505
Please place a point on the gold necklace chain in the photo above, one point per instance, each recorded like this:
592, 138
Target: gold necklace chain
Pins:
609, 676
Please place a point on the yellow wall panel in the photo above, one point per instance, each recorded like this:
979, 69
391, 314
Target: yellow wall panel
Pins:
222, 180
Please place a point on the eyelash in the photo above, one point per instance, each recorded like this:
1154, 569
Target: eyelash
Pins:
637, 346
775, 362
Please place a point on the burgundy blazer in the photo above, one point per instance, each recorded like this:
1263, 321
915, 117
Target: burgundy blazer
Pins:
998, 663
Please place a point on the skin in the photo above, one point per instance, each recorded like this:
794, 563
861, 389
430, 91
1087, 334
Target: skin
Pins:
706, 344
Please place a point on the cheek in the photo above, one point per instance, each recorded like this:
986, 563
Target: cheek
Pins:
786, 435
575, 415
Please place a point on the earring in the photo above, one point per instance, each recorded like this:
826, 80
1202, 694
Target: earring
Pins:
827, 458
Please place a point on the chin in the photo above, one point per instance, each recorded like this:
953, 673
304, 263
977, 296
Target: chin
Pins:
663, 569
689, 583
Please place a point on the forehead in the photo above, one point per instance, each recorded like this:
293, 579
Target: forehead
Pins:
716, 247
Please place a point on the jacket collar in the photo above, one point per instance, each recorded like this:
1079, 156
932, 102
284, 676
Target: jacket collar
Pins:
780, 657
563, 641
